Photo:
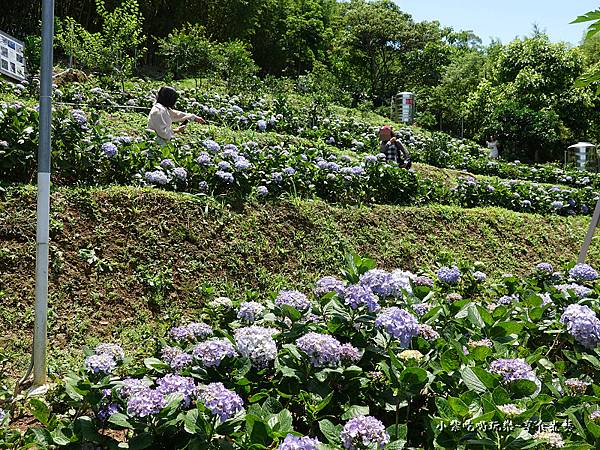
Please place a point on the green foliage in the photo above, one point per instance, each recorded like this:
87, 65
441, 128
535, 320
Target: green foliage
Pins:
235, 64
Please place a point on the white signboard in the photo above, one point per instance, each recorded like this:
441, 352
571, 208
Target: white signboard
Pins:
12, 61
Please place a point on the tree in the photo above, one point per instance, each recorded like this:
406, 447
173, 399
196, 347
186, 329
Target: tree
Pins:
188, 52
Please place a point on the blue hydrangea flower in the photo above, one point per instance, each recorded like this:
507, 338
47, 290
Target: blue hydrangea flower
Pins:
156, 177
212, 352
277, 177
103, 363
583, 272
211, 145
294, 299
329, 284
423, 281
358, 295
512, 370
321, 349
379, 281
364, 432
176, 384
257, 344
449, 275
479, 276
130, 386
167, 164
105, 411
399, 323
289, 171
113, 350
192, 331
147, 402
582, 324
545, 267
175, 357
109, 149
204, 159
577, 289
250, 311
262, 190
292, 442
180, 173
242, 163
262, 125
203, 186
220, 401
227, 177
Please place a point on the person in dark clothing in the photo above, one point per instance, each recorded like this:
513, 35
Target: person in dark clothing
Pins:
392, 148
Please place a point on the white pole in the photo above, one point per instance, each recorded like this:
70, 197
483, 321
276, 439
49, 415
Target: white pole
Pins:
43, 198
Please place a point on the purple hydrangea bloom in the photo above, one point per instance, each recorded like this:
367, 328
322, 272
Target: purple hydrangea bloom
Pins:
249, 311
103, 363
379, 281
583, 272
109, 149
513, 369
329, 284
349, 352
423, 281
227, 177
167, 164
204, 159
156, 177
175, 357
479, 276
113, 350
331, 140
277, 177
242, 163
364, 432
557, 204
224, 166
203, 186
79, 116
399, 323
295, 299
357, 295
106, 411
580, 291
257, 344
321, 349
427, 332
192, 331
289, 171
176, 384
211, 145
545, 267
132, 386
212, 352
449, 275
421, 309
262, 190
262, 125
180, 173
292, 442
582, 324
147, 402
221, 401
508, 299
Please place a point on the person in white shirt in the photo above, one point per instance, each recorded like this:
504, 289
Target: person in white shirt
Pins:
493, 146
162, 115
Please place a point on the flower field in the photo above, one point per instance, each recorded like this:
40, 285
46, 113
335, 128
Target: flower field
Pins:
371, 359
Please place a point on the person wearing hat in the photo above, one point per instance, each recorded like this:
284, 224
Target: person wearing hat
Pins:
392, 147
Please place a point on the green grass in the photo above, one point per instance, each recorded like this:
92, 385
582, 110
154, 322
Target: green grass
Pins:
127, 262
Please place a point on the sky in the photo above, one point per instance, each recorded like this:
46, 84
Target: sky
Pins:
505, 19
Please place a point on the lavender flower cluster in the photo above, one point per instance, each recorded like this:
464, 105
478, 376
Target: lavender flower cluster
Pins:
325, 350
220, 401
105, 359
191, 332
583, 272
294, 299
211, 353
399, 323
582, 324
257, 344
358, 295
329, 284
147, 402
512, 370
175, 357
250, 311
363, 432
449, 275
292, 442
176, 384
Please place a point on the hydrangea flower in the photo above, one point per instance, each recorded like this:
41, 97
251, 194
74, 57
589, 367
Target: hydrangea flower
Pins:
105, 411
410, 354
147, 402
420, 309
176, 384
423, 281
398, 323
511, 410
485, 342
256, 343
227, 177
203, 186
167, 164
292, 442
211, 145
249, 311
358, 295
545, 268
103, 363
512, 370
583, 272
113, 350
449, 275
192, 331
262, 190
212, 352
131, 386
176, 358
427, 332
156, 177
321, 349
295, 299
221, 303
578, 290
379, 281
577, 386
220, 401
109, 149
364, 432
204, 159
349, 353
262, 125
582, 324
3, 415
550, 438
479, 276
594, 416
329, 284
180, 173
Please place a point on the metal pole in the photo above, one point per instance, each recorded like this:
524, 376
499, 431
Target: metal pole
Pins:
43, 198
590, 234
